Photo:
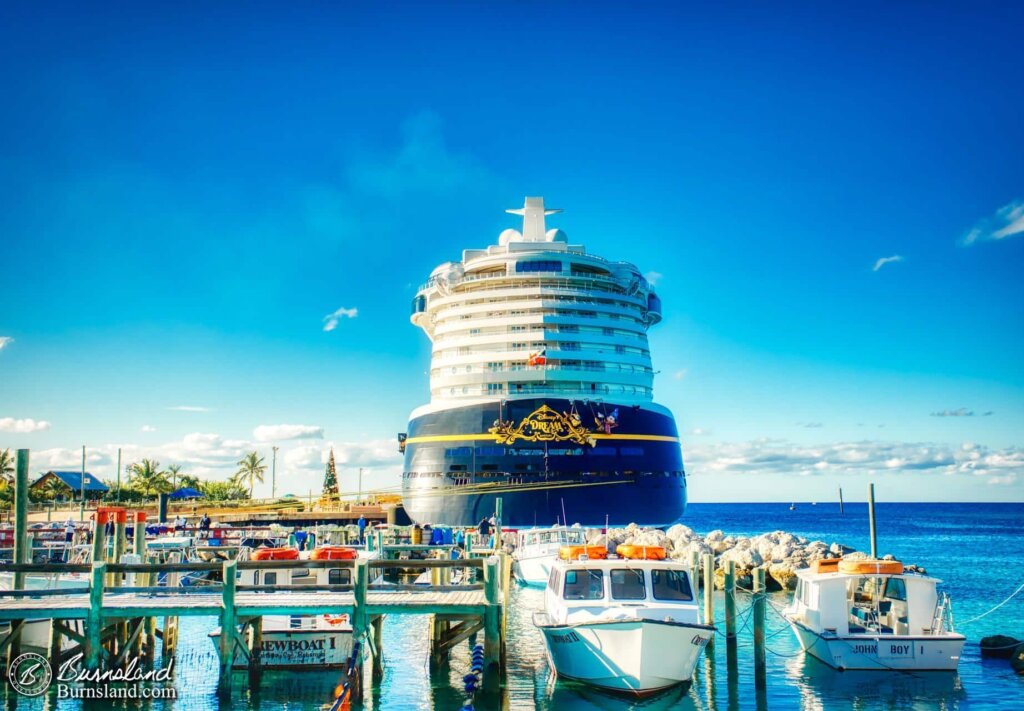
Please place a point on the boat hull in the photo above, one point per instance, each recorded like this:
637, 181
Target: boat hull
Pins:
632, 472
630, 656
313, 647
533, 571
882, 652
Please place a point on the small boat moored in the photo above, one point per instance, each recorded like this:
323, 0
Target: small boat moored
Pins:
537, 548
869, 614
622, 624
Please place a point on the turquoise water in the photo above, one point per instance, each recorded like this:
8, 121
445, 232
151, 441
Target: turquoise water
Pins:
975, 548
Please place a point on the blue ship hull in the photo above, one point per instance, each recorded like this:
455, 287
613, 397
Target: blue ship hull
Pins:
548, 460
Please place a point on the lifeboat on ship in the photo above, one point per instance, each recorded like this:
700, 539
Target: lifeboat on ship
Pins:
870, 567
641, 552
333, 553
582, 552
275, 554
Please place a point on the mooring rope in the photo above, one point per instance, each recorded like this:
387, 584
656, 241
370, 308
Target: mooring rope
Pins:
975, 619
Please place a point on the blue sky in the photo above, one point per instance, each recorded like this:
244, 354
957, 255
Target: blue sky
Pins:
187, 191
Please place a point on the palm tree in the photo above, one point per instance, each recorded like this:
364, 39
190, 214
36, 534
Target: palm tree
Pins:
174, 470
6, 467
55, 488
250, 469
190, 481
147, 479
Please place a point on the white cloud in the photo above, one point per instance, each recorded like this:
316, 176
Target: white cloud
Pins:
769, 456
679, 374
654, 277
273, 433
5, 341
23, 426
331, 320
1008, 221
189, 408
699, 432
147, 428
810, 425
886, 260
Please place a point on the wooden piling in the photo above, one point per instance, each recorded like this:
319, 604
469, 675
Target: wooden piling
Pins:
730, 610
255, 647
378, 643
22, 545
709, 593
760, 676
360, 623
493, 640
94, 619
227, 626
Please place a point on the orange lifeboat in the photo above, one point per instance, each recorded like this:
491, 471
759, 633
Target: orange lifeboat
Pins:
333, 553
576, 552
825, 565
870, 567
275, 554
641, 552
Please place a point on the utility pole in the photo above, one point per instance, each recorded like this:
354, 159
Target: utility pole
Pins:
81, 492
119, 474
273, 474
360, 485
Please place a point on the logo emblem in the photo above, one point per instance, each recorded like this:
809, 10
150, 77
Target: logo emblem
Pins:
543, 425
30, 674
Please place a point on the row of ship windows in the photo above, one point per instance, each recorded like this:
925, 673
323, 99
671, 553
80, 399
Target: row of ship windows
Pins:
458, 476
545, 328
541, 388
540, 345
589, 365
561, 298
532, 312
502, 451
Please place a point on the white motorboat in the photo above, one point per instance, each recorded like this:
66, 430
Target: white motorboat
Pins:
870, 614
301, 641
627, 624
537, 549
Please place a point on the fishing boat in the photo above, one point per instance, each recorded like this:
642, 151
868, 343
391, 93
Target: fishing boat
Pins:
300, 641
537, 548
872, 615
622, 624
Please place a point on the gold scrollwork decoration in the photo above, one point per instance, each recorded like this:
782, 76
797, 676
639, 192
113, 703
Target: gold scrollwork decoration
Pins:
544, 425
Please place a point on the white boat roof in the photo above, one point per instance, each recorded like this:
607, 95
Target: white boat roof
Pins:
813, 577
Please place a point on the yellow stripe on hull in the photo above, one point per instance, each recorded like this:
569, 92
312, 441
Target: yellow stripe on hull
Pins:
494, 438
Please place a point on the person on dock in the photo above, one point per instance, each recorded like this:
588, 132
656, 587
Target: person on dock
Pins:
204, 526
460, 539
485, 532
362, 528
69, 531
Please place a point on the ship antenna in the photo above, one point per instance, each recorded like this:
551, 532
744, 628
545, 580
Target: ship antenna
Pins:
564, 519
533, 213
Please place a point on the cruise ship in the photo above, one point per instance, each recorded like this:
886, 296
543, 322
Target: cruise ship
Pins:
540, 389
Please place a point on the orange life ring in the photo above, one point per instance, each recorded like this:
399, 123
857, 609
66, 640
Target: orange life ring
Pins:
641, 552
334, 553
825, 565
870, 567
336, 619
574, 552
275, 554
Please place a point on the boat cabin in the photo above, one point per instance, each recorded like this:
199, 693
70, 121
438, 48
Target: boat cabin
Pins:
620, 587
845, 604
554, 537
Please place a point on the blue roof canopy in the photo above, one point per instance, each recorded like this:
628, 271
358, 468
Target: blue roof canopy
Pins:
74, 481
187, 492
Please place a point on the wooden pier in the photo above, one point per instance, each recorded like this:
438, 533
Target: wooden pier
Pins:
114, 618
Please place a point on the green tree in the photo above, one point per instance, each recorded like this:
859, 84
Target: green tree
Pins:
221, 490
190, 481
54, 488
6, 467
147, 478
173, 471
250, 470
